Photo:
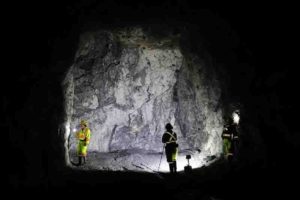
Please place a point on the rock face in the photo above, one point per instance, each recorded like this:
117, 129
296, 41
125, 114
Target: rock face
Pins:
128, 84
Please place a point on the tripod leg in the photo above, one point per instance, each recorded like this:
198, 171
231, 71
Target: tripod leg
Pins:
162, 153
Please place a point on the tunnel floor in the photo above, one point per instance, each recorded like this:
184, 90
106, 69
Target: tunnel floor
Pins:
139, 160
218, 181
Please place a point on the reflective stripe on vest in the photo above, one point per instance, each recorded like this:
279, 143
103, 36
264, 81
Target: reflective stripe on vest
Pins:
172, 137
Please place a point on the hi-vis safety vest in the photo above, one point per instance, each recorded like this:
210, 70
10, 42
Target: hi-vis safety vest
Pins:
172, 138
84, 135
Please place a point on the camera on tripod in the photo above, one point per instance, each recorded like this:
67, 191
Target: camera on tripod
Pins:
188, 168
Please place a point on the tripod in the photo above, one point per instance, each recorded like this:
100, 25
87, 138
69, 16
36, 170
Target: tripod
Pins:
162, 153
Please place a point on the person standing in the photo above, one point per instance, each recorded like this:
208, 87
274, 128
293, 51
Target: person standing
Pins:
169, 138
83, 136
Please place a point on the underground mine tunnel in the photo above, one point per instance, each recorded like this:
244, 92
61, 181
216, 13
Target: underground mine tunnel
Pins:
129, 72
128, 83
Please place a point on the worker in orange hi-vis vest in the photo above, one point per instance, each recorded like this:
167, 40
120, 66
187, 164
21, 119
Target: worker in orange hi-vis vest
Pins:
83, 136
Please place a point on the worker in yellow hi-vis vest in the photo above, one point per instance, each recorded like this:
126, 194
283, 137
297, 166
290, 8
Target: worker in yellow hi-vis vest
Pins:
83, 136
230, 139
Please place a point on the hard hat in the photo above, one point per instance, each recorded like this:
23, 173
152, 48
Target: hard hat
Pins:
84, 122
169, 126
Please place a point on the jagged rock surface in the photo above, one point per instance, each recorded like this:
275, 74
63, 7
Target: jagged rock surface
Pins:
129, 84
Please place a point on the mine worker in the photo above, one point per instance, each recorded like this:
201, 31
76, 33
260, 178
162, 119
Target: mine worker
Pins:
83, 136
169, 138
230, 139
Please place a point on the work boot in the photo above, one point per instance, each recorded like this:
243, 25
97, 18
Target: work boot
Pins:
230, 157
79, 160
171, 167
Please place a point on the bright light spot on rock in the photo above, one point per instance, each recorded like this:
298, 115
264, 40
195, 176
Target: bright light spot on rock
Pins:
74, 130
236, 118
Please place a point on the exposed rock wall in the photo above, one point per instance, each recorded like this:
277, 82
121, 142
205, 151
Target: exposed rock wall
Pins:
129, 84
